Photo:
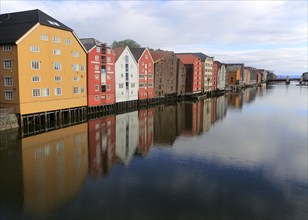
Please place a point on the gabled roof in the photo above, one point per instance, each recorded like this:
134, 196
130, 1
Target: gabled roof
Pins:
89, 43
202, 56
14, 25
158, 55
187, 58
137, 52
118, 51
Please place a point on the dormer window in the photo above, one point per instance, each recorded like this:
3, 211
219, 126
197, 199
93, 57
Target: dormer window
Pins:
53, 23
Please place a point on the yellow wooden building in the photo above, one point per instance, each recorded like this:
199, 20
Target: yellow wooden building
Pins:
43, 64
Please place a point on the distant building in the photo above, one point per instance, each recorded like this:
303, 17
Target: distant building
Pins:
146, 72
43, 64
126, 75
193, 67
165, 63
235, 74
305, 76
180, 78
221, 78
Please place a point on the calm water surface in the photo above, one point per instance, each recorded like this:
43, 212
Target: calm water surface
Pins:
239, 156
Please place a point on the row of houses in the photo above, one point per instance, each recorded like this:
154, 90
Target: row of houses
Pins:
46, 67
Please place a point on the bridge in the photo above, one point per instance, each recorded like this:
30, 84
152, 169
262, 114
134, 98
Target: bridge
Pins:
286, 80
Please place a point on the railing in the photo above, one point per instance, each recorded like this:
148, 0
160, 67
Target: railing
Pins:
6, 111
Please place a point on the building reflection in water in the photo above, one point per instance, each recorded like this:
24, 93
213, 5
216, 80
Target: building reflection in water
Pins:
165, 125
127, 134
235, 100
207, 114
55, 165
193, 115
102, 136
146, 131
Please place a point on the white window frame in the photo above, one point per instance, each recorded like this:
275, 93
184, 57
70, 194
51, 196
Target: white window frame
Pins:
58, 91
96, 88
76, 90
68, 41
76, 78
75, 53
7, 48
82, 67
7, 64
44, 37
58, 78
36, 92
56, 40
98, 49
96, 58
36, 78
56, 51
34, 49
45, 92
57, 66
7, 96
8, 81
35, 64
75, 67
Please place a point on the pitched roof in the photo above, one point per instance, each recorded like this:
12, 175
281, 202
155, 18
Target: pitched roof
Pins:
187, 58
137, 52
157, 55
202, 56
118, 51
15, 25
89, 43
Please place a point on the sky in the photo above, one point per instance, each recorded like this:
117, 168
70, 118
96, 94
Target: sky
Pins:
263, 34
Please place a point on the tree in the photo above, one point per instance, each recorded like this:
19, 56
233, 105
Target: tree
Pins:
123, 43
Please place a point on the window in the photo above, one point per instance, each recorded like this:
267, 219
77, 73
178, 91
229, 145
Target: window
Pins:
96, 98
121, 86
150, 76
96, 67
146, 57
98, 49
67, 41
150, 84
34, 49
58, 91
35, 64
44, 37
108, 68
96, 87
8, 81
36, 78
96, 57
141, 76
108, 87
56, 51
108, 51
6, 48
126, 59
75, 67
57, 66
133, 85
103, 88
53, 23
141, 85
8, 95
75, 54
58, 78
82, 89
36, 92
96, 76
7, 64
56, 39
81, 67
108, 59
45, 92
76, 90
76, 78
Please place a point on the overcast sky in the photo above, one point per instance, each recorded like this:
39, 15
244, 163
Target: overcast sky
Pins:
263, 34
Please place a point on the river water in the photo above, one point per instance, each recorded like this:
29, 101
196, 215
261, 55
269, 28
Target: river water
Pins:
238, 156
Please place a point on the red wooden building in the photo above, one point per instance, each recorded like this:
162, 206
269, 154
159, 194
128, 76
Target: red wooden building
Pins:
100, 62
215, 69
146, 72
193, 73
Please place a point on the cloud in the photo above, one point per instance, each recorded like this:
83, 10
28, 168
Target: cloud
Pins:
261, 33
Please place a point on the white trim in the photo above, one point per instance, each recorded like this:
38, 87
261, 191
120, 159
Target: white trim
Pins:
27, 33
